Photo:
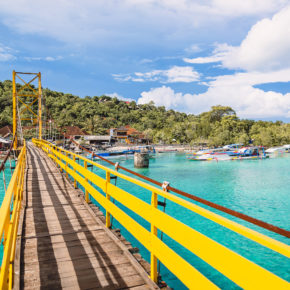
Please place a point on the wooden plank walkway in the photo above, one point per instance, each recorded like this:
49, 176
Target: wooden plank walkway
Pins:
63, 244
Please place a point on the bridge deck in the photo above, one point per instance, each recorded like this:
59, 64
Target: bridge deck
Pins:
63, 245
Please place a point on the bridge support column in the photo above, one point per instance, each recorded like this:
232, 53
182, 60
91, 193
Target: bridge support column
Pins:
141, 160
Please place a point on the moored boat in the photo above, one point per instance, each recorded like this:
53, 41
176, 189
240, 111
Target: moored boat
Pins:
250, 153
276, 150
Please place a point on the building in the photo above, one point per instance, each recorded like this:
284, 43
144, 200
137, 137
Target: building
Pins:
100, 140
128, 135
73, 132
6, 132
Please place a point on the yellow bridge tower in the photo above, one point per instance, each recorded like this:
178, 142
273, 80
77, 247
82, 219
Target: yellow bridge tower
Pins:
27, 95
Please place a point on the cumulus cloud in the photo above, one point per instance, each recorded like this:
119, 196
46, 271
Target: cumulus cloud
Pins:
236, 90
183, 74
266, 47
46, 58
6, 53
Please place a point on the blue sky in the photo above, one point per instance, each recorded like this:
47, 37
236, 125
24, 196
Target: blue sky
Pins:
186, 55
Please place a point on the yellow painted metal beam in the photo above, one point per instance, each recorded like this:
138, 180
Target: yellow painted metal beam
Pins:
14, 109
27, 84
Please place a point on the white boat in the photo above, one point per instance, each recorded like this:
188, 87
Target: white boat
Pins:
276, 150
287, 148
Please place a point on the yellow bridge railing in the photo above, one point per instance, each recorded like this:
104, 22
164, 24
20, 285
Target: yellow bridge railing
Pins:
240, 270
9, 218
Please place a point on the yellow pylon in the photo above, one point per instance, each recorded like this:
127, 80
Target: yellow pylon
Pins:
27, 100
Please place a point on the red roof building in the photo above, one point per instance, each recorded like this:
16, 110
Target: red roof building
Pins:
129, 135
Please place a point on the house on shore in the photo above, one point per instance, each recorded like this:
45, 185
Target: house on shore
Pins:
6, 132
100, 140
128, 135
73, 132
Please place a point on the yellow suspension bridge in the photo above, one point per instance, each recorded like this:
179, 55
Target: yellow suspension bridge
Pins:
55, 238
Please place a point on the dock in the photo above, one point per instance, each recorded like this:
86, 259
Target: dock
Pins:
64, 245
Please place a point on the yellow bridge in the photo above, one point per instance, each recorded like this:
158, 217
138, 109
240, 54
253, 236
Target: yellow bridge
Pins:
52, 238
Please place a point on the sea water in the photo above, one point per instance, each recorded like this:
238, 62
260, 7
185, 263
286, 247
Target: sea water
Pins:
259, 188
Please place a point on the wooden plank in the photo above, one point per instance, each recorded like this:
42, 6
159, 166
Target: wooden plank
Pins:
63, 246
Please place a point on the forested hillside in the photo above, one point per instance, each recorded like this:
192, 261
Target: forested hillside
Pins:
96, 114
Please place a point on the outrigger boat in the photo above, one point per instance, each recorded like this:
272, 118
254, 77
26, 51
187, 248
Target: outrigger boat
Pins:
250, 153
223, 153
243, 153
278, 149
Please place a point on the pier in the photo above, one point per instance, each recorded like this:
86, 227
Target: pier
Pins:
63, 243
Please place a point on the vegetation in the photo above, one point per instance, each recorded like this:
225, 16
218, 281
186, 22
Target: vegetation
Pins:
96, 114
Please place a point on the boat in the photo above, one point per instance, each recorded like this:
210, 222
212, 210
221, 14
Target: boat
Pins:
287, 148
221, 153
276, 150
250, 153
111, 153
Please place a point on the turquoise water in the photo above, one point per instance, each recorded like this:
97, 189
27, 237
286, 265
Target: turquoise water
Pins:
259, 188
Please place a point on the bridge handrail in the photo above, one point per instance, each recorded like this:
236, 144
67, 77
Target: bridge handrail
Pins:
237, 268
9, 218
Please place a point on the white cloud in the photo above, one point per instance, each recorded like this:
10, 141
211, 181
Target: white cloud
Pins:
236, 90
193, 48
46, 58
246, 7
219, 54
185, 74
6, 53
266, 47
87, 21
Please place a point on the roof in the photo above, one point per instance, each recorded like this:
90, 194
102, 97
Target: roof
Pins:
123, 128
5, 131
73, 131
99, 138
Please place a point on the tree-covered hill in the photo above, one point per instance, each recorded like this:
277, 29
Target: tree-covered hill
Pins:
96, 114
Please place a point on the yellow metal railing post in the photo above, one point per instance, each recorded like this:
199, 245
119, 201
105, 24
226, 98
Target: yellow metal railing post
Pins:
153, 273
108, 216
59, 158
66, 174
86, 192
75, 181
